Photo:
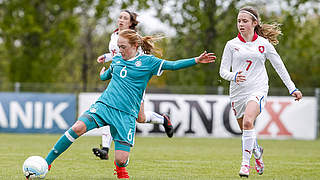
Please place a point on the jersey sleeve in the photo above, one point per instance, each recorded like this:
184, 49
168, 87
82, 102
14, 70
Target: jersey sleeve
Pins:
178, 64
160, 65
107, 74
156, 65
279, 66
226, 63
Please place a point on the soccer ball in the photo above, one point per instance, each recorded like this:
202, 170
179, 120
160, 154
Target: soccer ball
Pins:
35, 167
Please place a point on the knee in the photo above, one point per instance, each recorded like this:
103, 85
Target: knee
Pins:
247, 123
79, 128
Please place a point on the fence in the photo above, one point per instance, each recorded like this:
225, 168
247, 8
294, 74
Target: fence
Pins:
78, 88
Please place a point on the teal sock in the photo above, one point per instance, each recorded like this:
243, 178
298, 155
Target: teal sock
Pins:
62, 144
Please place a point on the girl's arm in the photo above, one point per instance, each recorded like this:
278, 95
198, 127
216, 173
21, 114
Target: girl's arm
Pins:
280, 68
184, 63
225, 65
105, 74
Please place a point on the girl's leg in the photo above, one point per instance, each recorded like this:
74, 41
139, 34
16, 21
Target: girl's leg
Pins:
248, 135
84, 124
155, 118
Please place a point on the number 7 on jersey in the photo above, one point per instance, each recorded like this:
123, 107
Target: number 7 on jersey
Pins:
250, 62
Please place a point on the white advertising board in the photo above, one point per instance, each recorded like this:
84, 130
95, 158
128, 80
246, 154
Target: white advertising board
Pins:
211, 116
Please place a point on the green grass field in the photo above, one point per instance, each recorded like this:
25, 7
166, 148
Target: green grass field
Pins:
163, 158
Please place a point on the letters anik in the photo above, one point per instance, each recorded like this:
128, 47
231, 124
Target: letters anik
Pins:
36, 112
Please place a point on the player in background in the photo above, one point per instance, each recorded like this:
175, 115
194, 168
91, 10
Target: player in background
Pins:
246, 55
119, 104
127, 20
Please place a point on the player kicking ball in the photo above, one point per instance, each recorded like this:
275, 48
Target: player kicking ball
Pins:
127, 20
119, 104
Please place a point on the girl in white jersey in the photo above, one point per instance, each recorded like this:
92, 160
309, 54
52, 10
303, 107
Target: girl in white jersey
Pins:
128, 20
246, 55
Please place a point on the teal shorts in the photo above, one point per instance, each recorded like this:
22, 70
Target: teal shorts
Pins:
122, 125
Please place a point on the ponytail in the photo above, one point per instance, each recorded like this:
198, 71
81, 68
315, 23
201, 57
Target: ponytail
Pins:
148, 47
269, 31
146, 43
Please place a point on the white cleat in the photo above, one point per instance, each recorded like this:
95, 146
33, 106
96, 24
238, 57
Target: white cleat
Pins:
244, 171
259, 165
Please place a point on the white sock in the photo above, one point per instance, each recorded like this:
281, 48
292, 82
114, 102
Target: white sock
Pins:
153, 117
106, 138
248, 141
256, 151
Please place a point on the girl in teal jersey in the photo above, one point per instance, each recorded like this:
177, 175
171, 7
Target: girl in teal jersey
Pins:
119, 104
128, 20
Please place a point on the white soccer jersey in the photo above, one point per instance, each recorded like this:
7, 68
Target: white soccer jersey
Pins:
250, 57
113, 46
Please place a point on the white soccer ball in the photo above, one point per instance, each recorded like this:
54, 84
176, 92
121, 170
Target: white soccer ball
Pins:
35, 167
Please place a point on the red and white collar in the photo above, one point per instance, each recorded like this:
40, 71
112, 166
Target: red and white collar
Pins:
117, 30
255, 36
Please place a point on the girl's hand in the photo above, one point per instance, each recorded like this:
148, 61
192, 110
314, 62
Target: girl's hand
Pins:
297, 95
101, 59
205, 58
240, 77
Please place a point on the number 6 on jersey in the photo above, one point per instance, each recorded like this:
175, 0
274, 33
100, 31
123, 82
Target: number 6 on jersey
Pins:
123, 72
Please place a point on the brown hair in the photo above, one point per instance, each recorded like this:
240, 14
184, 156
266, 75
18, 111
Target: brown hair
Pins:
146, 43
268, 31
133, 19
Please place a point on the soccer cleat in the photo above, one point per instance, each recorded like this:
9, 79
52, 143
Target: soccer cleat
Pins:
49, 167
244, 171
101, 153
167, 125
259, 165
121, 172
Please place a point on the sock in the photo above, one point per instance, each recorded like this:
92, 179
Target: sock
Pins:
153, 117
62, 144
106, 138
248, 141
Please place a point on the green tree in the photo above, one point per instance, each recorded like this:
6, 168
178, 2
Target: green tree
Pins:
209, 24
37, 35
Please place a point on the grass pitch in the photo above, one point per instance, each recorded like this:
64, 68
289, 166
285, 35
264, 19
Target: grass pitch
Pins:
162, 158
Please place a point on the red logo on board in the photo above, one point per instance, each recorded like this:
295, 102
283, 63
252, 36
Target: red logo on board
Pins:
261, 49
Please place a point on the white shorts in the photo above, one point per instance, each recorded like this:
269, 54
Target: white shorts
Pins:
239, 104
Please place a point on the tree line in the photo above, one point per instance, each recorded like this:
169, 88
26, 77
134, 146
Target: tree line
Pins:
58, 41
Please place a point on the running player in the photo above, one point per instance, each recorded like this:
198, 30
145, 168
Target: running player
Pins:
127, 20
246, 55
119, 104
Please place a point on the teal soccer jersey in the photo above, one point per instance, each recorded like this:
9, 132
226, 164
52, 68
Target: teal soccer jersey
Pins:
130, 78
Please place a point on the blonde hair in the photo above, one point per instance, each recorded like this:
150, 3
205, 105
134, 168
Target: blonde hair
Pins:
268, 31
146, 43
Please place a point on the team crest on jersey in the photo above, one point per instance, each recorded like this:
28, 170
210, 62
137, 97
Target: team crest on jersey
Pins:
261, 49
138, 63
93, 110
